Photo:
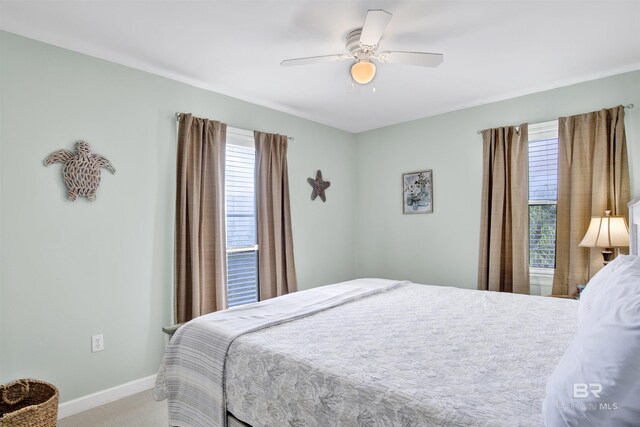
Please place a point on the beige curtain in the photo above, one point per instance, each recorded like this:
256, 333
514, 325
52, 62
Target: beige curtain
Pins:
593, 175
276, 268
200, 242
504, 246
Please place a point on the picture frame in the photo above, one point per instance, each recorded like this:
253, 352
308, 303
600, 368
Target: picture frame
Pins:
417, 192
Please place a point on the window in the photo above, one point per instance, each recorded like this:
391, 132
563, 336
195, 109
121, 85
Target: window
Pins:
543, 196
242, 244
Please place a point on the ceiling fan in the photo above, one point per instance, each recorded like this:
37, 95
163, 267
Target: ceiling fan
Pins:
361, 45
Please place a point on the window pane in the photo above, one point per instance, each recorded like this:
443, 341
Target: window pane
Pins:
242, 278
241, 207
543, 194
542, 236
242, 267
543, 169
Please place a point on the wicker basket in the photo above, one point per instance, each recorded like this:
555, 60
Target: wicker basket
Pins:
29, 403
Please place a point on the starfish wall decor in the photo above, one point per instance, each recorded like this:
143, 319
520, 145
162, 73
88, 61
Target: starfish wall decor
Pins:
318, 186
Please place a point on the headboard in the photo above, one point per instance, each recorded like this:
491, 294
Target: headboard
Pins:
634, 227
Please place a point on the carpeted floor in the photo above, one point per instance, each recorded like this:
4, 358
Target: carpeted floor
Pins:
139, 410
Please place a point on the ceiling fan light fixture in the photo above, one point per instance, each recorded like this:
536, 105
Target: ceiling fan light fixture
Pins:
363, 71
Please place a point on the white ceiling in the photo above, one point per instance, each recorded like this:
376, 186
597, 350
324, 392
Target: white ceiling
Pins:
493, 49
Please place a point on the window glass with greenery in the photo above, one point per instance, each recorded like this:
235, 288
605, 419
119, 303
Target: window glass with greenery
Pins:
543, 194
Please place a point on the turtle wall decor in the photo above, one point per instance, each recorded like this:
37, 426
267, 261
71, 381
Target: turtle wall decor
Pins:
81, 171
318, 186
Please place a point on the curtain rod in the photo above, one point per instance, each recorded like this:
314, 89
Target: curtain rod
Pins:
290, 138
627, 107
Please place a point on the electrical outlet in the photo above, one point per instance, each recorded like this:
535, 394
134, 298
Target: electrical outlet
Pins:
97, 343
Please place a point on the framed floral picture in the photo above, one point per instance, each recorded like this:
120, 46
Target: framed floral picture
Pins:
417, 192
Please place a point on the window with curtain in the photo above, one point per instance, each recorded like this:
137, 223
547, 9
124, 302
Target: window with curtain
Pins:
242, 244
543, 199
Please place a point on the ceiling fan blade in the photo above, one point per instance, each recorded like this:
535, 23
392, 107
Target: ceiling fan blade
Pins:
422, 59
374, 25
314, 60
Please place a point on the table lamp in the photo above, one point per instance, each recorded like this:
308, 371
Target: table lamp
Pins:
606, 232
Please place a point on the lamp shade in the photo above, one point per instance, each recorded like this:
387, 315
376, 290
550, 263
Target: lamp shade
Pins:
363, 72
606, 232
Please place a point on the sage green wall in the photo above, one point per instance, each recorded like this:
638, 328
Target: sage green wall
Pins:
71, 270
442, 248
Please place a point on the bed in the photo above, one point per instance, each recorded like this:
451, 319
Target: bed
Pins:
448, 357
371, 352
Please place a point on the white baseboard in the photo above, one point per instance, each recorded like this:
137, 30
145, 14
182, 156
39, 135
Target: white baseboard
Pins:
102, 397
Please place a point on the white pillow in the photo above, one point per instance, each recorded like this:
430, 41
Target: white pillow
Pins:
598, 284
597, 381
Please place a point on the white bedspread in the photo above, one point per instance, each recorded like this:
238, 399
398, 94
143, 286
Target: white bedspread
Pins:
416, 355
192, 376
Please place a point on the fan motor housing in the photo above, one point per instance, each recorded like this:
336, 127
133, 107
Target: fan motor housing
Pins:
353, 40
355, 49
